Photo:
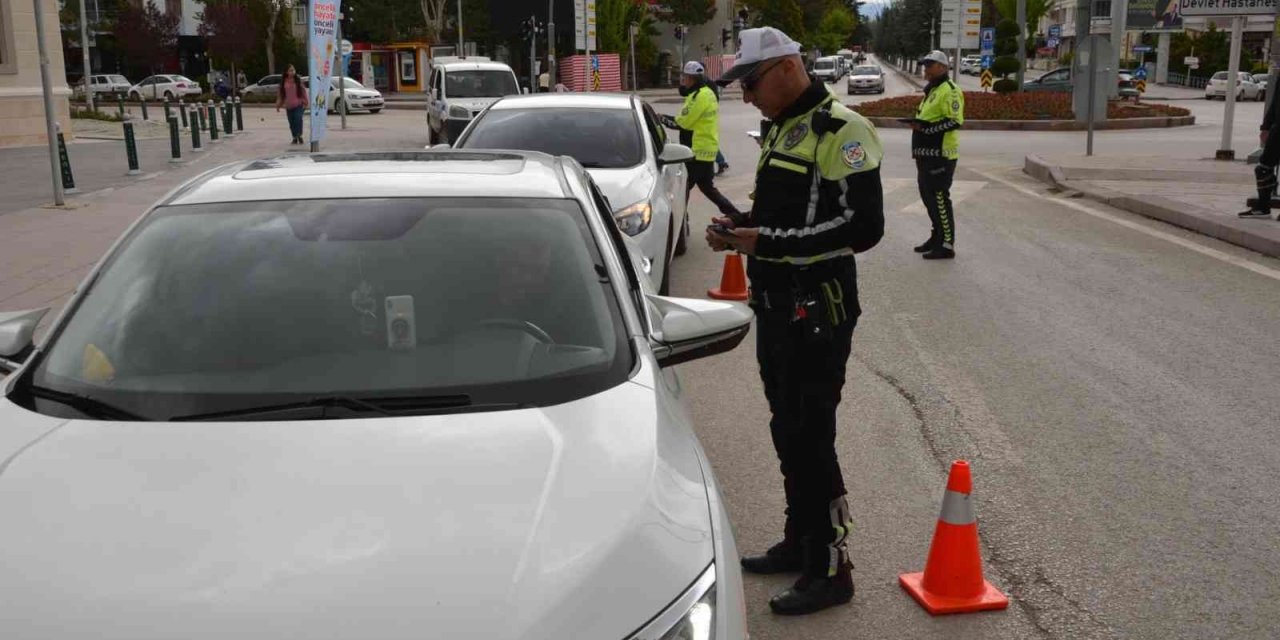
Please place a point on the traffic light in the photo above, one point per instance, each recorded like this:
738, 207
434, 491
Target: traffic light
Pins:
725, 36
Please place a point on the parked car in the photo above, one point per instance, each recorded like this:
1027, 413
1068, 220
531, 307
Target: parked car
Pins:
971, 65
1128, 85
619, 140
311, 384
1246, 88
359, 97
1260, 79
865, 79
267, 86
827, 68
165, 86
108, 84
459, 89
1060, 80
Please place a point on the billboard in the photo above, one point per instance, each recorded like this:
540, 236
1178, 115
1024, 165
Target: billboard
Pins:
1227, 7
1154, 15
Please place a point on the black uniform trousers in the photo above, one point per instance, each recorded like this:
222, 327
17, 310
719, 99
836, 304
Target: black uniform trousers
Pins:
1265, 171
933, 176
803, 378
703, 175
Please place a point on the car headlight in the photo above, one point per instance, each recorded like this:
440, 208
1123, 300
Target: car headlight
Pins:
635, 218
459, 112
691, 617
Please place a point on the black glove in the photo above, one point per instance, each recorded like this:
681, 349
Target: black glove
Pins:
668, 121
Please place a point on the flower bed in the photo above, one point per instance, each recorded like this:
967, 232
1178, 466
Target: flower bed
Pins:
1016, 106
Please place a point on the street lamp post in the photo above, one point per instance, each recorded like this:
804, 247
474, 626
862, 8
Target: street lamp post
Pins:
84, 48
551, 42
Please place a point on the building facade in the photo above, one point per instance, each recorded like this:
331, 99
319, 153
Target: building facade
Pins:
22, 119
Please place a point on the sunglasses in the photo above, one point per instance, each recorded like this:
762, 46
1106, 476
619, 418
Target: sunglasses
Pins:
749, 83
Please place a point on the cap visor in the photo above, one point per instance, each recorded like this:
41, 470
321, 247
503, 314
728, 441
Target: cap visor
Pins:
736, 73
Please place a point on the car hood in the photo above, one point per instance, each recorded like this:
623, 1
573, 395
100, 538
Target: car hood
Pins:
580, 520
624, 187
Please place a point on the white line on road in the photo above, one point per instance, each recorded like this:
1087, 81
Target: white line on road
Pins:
1274, 274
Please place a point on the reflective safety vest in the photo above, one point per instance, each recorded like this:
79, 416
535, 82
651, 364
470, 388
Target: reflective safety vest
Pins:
943, 105
800, 178
701, 116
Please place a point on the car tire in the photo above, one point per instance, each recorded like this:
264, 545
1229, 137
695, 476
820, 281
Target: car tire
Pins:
850, 91
168, 95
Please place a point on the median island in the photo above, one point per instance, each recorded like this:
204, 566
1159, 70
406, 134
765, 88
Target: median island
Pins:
1029, 111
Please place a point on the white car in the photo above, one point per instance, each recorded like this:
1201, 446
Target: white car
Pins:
865, 79
1260, 79
827, 69
459, 89
619, 140
165, 86
110, 84
971, 65
359, 97
300, 398
268, 86
1246, 88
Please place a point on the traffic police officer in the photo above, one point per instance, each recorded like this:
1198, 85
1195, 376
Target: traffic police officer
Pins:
935, 144
699, 126
1264, 172
817, 202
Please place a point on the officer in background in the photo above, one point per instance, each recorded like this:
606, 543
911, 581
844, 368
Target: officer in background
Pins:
1264, 172
817, 202
699, 126
935, 144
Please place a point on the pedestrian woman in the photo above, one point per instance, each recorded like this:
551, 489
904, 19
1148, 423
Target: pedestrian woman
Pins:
293, 97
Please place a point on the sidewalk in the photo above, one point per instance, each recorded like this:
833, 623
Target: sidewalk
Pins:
1200, 195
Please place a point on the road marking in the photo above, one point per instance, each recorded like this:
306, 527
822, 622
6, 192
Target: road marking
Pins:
961, 190
1223, 256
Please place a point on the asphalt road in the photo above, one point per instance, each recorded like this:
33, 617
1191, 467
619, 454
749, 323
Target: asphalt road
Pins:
1113, 381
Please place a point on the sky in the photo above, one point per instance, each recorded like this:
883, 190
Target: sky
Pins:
871, 10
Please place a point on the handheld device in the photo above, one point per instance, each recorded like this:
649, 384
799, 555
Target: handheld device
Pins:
720, 229
402, 331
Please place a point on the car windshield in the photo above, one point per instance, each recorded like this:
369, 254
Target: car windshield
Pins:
347, 82
225, 307
596, 138
866, 71
183, 79
1221, 75
825, 64
480, 84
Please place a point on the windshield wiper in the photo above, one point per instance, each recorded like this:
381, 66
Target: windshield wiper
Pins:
84, 404
314, 408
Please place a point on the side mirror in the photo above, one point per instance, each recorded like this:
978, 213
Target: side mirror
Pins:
16, 331
675, 154
688, 329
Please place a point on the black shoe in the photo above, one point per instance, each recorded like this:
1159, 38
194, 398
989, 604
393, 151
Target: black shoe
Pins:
1254, 213
723, 168
784, 557
939, 253
927, 246
810, 595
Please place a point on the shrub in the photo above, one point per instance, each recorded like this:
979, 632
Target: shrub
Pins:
1014, 106
1003, 66
85, 114
1005, 85
1067, 58
1260, 67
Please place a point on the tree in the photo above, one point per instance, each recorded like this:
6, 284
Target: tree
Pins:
228, 32
780, 14
835, 30
433, 12
1036, 9
383, 20
145, 35
274, 9
688, 12
612, 19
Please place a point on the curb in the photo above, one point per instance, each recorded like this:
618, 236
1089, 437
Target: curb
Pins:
1161, 122
1198, 219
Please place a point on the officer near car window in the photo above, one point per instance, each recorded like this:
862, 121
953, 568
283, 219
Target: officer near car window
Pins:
817, 201
935, 145
699, 126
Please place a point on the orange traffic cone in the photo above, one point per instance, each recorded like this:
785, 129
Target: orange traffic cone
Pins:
952, 579
733, 280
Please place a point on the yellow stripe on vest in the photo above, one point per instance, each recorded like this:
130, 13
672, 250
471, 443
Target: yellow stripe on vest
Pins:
789, 166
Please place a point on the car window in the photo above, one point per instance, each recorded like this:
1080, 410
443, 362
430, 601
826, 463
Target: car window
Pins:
1221, 75
223, 307
866, 71
480, 83
120, 79
596, 138
603, 208
657, 133
349, 84
270, 80
824, 64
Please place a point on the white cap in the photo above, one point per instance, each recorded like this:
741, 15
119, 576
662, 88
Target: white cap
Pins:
693, 68
756, 46
936, 56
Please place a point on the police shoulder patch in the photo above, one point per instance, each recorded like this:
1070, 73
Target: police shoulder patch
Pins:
685, 112
955, 105
855, 156
795, 135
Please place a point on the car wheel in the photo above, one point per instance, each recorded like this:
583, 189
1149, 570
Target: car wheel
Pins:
168, 95
134, 95
850, 91
682, 242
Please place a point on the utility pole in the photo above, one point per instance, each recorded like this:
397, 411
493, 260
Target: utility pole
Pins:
342, 77
1022, 42
462, 48
635, 81
551, 44
1119, 22
49, 127
1225, 152
84, 47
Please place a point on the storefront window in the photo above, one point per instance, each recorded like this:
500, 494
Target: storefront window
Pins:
408, 68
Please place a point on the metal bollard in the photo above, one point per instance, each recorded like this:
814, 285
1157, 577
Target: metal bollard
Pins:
195, 133
239, 114
120, 101
175, 145
226, 119
182, 112
68, 181
144, 107
199, 114
131, 149
213, 122
167, 113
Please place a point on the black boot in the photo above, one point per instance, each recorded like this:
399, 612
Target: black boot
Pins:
812, 594
940, 252
784, 557
927, 246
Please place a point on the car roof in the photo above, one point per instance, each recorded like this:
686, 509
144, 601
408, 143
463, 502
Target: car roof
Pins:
566, 100
472, 65
381, 174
